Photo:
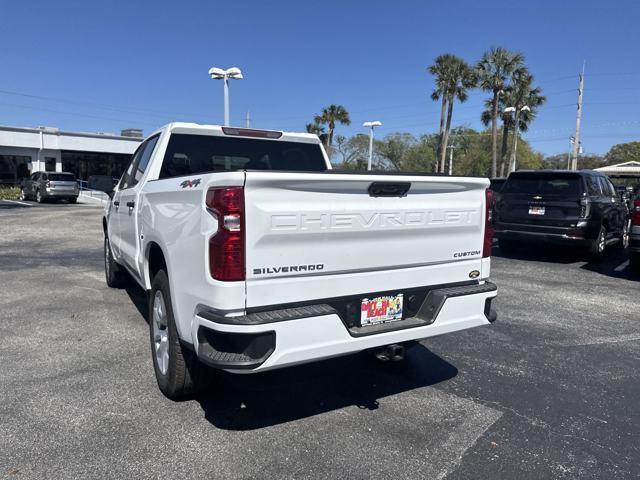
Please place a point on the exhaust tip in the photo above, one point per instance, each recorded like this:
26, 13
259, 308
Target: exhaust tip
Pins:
390, 353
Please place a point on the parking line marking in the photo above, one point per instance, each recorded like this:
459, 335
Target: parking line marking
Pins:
19, 203
622, 266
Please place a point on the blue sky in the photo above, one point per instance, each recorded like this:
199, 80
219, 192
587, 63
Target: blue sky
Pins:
103, 66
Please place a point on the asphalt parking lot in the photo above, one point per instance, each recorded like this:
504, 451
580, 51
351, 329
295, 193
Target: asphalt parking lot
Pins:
549, 391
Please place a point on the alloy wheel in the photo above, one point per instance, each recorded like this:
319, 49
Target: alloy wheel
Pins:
602, 241
160, 332
625, 234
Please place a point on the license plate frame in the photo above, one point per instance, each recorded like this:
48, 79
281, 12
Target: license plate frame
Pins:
382, 309
536, 210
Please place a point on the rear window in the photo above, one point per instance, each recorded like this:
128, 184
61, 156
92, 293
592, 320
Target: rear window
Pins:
62, 177
191, 154
543, 185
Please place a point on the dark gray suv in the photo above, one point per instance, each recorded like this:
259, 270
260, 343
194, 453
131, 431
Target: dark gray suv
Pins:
42, 186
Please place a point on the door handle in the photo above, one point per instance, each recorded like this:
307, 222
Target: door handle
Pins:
131, 204
116, 203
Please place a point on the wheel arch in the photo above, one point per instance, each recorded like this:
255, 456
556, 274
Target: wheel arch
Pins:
155, 260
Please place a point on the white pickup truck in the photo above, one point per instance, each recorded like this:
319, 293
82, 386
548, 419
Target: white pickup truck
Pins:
256, 255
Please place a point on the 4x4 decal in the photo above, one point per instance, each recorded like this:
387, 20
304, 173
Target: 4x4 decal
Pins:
190, 183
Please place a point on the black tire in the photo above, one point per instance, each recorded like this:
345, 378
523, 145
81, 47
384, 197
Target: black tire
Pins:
184, 375
115, 275
507, 247
598, 245
73, 200
39, 197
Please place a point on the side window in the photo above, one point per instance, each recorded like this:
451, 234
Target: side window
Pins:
127, 173
593, 187
143, 162
607, 189
612, 189
138, 164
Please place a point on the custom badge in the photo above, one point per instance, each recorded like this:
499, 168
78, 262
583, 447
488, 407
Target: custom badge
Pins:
190, 183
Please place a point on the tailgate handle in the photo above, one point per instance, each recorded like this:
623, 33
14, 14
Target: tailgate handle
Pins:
389, 189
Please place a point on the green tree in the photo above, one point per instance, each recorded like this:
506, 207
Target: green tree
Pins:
495, 69
454, 77
623, 152
314, 128
394, 148
330, 116
354, 152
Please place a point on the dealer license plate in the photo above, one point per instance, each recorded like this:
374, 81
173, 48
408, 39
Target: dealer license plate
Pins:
536, 210
380, 310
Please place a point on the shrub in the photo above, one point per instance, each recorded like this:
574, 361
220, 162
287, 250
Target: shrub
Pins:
9, 193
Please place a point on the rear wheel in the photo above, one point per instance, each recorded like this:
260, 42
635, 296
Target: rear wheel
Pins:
116, 277
598, 244
178, 371
73, 200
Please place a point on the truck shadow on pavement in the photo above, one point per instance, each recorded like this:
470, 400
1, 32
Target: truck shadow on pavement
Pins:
248, 402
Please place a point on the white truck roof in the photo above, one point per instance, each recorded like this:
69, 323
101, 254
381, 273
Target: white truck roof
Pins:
200, 129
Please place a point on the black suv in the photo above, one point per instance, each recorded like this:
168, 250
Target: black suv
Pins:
560, 207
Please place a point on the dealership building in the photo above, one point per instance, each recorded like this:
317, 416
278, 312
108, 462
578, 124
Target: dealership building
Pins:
24, 151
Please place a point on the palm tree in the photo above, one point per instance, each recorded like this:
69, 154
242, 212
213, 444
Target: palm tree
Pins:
314, 128
525, 100
453, 79
330, 116
441, 70
462, 78
507, 124
495, 69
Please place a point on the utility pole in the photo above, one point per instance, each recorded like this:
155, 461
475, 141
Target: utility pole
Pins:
248, 119
451, 147
576, 141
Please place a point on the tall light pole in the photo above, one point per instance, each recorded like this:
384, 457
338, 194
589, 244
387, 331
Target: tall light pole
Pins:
524, 108
225, 75
451, 147
371, 126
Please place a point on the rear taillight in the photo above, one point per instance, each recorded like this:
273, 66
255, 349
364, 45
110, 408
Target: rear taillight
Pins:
488, 224
585, 207
226, 247
635, 214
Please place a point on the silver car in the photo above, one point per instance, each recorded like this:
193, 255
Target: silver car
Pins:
42, 186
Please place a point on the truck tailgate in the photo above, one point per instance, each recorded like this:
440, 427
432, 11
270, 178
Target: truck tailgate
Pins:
315, 235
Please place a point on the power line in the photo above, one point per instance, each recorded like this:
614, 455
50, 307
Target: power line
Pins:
146, 112
76, 114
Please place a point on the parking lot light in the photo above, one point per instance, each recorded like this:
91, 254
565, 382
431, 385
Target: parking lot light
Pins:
371, 126
225, 75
